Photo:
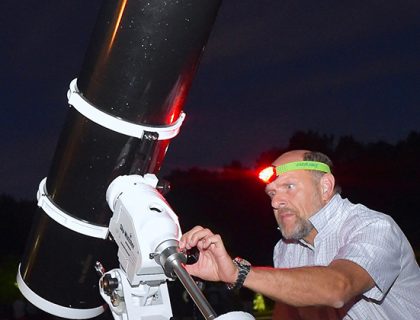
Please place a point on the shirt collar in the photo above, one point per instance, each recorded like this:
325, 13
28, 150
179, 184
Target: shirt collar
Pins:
321, 219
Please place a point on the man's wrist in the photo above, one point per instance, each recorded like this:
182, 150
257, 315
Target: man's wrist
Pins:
243, 267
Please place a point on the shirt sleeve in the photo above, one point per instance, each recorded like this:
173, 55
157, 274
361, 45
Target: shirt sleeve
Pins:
375, 245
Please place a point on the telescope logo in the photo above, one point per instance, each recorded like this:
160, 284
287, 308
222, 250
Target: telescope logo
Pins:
127, 236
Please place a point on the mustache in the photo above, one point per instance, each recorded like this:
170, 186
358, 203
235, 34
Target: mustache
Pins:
285, 210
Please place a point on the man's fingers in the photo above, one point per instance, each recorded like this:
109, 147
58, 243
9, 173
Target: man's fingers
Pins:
192, 237
209, 240
184, 242
199, 237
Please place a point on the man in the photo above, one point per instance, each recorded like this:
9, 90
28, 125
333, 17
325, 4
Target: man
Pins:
336, 260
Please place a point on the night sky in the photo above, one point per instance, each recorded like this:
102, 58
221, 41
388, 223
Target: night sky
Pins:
270, 68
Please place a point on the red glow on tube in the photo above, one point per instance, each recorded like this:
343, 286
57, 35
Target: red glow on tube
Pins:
171, 120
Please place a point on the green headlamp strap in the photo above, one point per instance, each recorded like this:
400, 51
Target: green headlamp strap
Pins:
302, 165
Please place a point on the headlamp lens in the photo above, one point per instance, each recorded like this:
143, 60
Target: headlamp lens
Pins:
267, 174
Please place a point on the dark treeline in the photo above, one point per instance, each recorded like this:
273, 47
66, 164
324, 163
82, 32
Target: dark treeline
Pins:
231, 201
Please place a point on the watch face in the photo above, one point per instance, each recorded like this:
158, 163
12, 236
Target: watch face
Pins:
242, 261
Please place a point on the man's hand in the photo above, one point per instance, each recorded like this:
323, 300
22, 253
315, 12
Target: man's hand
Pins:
214, 263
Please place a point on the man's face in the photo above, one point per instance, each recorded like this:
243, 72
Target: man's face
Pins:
295, 196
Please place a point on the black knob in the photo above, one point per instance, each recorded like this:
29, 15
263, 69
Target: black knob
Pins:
192, 255
109, 284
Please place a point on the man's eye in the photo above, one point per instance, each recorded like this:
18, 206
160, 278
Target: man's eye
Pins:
290, 186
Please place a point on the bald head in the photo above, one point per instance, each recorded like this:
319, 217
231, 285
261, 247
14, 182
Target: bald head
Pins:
308, 155
290, 156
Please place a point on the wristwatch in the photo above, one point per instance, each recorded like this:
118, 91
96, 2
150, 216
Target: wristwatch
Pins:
244, 267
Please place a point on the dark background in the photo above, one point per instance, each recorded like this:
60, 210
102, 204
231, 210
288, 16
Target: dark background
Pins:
270, 68
336, 76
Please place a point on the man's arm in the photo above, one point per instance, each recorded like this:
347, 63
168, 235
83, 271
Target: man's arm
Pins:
333, 285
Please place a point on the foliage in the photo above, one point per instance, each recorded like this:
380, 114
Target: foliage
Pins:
8, 290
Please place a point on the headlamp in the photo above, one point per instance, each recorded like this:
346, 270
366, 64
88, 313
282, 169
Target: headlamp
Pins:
270, 173
267, 174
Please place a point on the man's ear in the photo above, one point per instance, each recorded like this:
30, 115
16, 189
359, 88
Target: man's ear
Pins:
327, 186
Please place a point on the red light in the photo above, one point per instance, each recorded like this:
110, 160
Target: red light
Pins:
172, 118
267, 174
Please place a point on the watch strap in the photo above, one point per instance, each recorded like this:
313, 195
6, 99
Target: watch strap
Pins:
243, 267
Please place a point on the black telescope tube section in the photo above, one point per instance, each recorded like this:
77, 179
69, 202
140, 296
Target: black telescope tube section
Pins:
153, 48
138, 67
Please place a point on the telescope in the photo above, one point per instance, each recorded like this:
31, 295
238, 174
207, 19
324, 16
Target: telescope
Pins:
101, 206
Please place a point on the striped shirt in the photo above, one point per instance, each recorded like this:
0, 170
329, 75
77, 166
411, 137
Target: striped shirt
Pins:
372, 240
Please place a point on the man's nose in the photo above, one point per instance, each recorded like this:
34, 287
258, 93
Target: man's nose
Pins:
278, 201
